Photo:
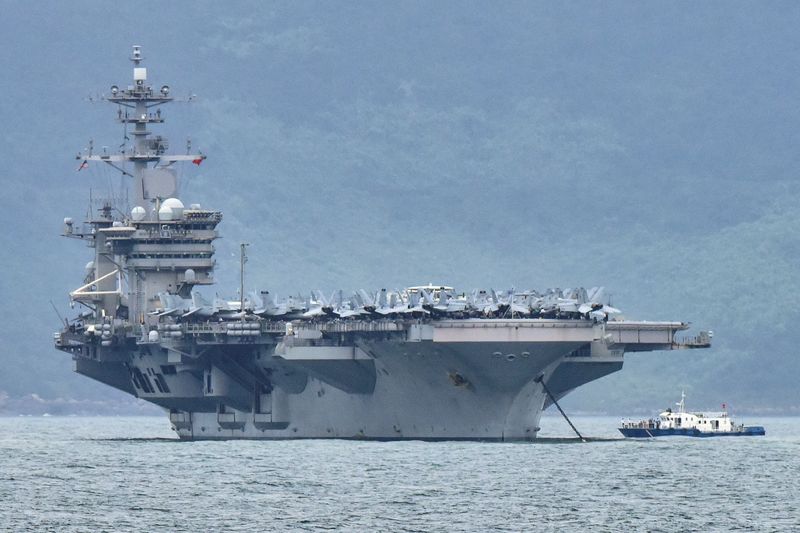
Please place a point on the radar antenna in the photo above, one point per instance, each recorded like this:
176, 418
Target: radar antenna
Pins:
152, 181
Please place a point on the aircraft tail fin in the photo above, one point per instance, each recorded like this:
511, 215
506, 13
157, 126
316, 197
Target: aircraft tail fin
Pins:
382, 300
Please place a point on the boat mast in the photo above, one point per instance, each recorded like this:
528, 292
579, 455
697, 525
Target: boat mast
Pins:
682, 405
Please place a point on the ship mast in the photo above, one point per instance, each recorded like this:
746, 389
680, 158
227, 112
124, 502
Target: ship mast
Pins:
242, 261
150, 183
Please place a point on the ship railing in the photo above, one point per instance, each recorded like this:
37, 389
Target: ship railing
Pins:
285, 327
295, 341
360, 325
200, 328
522, 323
701, 340
160, 233
642, 424
355, 326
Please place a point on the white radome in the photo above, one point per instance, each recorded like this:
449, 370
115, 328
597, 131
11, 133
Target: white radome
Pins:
176, 206
165, 213
138, 213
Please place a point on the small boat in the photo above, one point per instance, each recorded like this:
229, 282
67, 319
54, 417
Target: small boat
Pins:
681, 423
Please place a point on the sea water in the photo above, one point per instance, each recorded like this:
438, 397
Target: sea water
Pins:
131, 474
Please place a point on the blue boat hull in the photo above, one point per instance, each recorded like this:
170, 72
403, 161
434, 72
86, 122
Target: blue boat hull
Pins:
646, 433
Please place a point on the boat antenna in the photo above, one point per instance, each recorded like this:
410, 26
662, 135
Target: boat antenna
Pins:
682, 405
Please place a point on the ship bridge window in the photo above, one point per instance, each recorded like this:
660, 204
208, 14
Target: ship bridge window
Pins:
205, 255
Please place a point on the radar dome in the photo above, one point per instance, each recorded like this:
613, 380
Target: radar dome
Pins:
189, 276
138, 213
89, 267
176, 206
165, 213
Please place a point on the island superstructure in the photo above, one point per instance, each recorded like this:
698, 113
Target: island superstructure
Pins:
425, 362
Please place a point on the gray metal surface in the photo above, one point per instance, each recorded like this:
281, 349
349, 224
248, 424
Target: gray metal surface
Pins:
424, 362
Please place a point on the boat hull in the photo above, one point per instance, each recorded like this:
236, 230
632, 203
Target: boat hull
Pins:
646, 433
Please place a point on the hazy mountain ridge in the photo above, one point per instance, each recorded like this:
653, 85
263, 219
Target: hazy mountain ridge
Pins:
654, 152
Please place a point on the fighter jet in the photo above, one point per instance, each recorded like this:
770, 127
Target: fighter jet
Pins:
171, 305
444, 304
200, 307
512, 304
414, 304
363, 300
227, 310
268, 305
483, 304
344, 308
390, 303
316, 306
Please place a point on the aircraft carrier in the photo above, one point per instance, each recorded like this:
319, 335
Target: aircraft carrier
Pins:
425, 362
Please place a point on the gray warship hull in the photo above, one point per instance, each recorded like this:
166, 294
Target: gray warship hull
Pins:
480, 379
421, 363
